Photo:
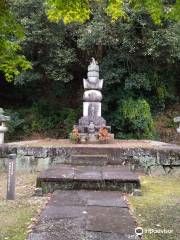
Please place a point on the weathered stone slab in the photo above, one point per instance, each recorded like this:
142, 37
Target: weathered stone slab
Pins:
40, 152
116, 168
118, 173
43, 163
62, 221
110, 219
69, 198
89, 198
54, 173
59, 212
85, 159
88, 177
105, 199
26, 163
61, 229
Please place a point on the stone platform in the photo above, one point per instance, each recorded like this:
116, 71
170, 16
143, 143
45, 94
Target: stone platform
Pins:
85, 215
89, 178
147, 156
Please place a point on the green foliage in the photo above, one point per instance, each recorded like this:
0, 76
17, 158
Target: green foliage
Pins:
51, 121
17, 126
138, 60
134, 117
81, 10
45, 44
11, 33
115, 9
138, 81
27, 122
69, 11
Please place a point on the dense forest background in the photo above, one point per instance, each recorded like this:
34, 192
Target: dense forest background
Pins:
139, 62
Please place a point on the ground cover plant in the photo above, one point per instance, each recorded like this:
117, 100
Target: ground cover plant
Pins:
159, 207
17, 217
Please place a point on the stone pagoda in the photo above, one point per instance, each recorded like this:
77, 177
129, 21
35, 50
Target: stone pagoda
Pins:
92, 120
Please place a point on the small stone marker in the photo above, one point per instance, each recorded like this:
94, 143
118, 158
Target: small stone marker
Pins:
11, 177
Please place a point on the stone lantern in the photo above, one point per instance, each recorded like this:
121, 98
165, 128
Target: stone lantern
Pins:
92, 120
3, 128
177, 120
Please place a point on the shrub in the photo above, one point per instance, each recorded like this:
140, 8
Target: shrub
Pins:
134, 119
43, 119
17, 126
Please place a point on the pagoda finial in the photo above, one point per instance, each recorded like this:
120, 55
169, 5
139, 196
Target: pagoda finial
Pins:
93, 61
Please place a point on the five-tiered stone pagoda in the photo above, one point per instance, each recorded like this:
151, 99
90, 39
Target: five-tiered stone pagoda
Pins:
92, 121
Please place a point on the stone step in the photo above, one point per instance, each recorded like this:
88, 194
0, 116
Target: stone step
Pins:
68, 177
88, 159
88, 215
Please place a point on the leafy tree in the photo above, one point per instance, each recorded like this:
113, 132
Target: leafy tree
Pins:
139, 61
45, 44
11, 33
81, 10
50, 48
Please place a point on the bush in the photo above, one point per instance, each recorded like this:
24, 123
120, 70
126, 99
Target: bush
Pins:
42, 119
52, 120
17, 126
133, 119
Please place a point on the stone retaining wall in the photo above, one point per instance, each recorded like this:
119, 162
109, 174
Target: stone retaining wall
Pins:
155, 161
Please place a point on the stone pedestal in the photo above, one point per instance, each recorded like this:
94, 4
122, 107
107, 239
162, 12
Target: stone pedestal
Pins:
92, 120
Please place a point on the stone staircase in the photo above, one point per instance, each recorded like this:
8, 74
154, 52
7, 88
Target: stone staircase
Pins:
87, 201
88, 172
92, 160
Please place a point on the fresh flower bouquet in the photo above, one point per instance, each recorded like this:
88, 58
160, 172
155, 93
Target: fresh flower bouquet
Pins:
103, 134
75, 136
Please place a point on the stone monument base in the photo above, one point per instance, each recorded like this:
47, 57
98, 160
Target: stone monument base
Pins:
93, 138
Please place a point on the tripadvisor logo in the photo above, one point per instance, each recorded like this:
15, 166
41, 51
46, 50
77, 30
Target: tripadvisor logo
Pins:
139, 231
